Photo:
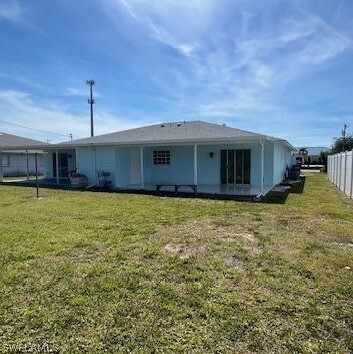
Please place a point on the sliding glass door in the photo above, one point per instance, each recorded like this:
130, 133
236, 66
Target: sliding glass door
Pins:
235, 166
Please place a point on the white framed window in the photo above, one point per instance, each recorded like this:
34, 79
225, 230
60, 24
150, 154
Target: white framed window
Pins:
161, 157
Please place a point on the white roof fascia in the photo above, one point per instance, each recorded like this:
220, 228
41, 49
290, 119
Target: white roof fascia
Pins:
212, 141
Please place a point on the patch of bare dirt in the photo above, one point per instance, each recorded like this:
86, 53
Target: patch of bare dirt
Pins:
342, 245
235, 261
184, 252
208, 238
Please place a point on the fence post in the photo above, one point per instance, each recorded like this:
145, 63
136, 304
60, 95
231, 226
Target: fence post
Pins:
340, 172
336, 177
330, 159
337, 170
344, 171
331, 174
334, 168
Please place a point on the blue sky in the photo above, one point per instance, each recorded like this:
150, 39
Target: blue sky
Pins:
281, 68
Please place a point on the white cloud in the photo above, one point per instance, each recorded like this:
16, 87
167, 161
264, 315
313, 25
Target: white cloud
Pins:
11, 10
21, 109
74, 91
237, 66
174, 23
78, 91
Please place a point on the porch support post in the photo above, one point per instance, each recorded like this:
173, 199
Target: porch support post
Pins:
195, 164
76, 160
57, 167
95, 171
141, 168
27, 164
262, 143
1, 170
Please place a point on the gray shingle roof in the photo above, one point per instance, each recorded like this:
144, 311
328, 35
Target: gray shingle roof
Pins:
170, 132
8, 140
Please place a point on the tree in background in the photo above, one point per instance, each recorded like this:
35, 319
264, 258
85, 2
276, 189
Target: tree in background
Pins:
303, 152
342, 144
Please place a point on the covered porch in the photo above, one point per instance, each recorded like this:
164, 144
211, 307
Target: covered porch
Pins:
235, 169
58, 165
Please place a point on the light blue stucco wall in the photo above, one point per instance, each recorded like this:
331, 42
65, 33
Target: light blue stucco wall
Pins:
123, 167
91, 160
119, 162
209, 168
106, 161
180, 170
85, 163
282, 159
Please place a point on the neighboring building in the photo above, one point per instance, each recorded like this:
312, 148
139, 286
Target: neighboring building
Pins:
19, 162
313, 155
215, 159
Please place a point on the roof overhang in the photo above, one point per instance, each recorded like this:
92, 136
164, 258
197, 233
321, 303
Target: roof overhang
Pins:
24, 147
204, 141
286, 143
166, 142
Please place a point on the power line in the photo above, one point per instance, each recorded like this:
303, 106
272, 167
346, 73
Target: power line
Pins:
34, 129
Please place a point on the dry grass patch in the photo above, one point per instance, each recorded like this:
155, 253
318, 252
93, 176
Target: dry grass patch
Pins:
208, 239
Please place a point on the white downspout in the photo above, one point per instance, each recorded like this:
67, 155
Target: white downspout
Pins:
57, 167
262, 144
27, 164
141, 168
76, 160
95, 165
195, 164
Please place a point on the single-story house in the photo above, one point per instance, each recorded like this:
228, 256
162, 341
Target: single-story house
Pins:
19, 162
192, 156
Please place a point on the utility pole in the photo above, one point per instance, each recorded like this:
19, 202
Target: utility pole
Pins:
91, 101
344, 130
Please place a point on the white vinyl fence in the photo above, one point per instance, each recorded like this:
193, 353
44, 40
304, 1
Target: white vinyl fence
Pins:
340, 171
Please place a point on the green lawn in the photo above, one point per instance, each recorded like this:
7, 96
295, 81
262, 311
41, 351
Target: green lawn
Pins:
117, 273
